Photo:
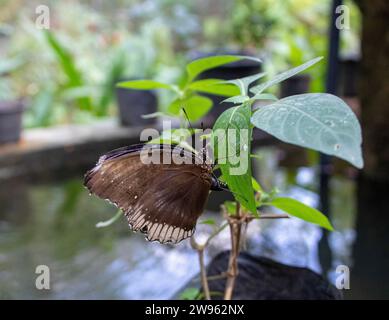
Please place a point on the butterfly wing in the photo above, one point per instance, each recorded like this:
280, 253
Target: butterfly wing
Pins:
162, 200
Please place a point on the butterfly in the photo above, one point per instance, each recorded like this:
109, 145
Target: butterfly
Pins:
161, 200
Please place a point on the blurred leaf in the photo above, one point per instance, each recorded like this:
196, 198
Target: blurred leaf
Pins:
302, 211
283, 76
190, 294
319, 121
208, 221
266, 197
72, 191
256, 186
196, 67
230, 207
176, 136
153, 115
236, 145
244, 83
107, 89
214, 86
180, 134
237, 99
313, 157
256, 156
42, 108
195, 106
69, 68
145, 85
75, 93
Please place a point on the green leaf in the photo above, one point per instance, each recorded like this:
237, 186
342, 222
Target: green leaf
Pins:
265, 96
42, 107
269, 196
175, 136
195, 106
145, 85
190, 294
283, 76
69, 68
318, 121
230, 207
302, 211
74, 93
244, 83
256, 186
232, 136
196, 67
214, 86
208, 221
64, 58
237, 99
107, 93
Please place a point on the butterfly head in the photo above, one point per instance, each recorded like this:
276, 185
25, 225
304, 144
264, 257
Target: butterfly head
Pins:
217, 185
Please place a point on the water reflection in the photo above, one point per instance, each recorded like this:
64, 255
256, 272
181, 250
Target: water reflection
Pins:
58, 230
54, 224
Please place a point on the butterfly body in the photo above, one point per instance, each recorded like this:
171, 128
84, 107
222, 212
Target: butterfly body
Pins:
162, 200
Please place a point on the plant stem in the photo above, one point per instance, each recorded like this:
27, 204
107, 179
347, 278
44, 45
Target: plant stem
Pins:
200, 250
203, 274
215, 233
232, 272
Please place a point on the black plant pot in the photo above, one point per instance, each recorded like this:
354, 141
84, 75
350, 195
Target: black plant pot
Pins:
235, 70
135, 103
261, 278
295, 85
10, 121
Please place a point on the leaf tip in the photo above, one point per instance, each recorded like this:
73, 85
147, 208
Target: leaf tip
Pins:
359, 163
329, 226
120, 84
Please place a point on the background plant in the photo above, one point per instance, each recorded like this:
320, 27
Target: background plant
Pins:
112, 39
187, 91
76, 83
7, 67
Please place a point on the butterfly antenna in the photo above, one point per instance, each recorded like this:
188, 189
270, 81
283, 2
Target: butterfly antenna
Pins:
187, 118
191, 129
204, 145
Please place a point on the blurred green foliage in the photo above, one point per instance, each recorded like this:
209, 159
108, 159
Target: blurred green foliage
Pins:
7, 66
68, 73
185, 93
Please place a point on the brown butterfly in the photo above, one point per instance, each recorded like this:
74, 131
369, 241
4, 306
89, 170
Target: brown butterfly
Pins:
161, 200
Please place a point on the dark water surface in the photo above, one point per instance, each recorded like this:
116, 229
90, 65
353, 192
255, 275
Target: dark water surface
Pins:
53, 224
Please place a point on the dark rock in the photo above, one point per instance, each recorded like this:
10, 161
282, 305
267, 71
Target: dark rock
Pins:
260, 278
